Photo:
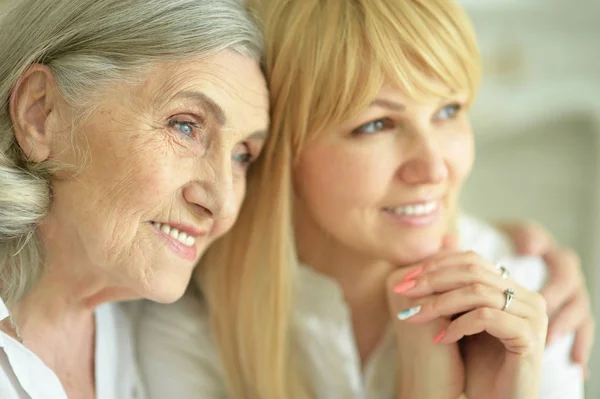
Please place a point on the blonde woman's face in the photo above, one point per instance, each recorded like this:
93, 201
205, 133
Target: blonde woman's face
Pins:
385, 184
165, 175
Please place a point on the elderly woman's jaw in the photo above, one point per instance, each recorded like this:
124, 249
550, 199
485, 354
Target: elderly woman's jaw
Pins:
156, 173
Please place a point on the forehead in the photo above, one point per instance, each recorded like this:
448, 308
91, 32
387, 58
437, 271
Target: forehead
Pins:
439, 91
234, 82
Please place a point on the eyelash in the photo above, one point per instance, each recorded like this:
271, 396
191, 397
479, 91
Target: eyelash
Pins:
249, 158
194, 125
456, 108
387, 123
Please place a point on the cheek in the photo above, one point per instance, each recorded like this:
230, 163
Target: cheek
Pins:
223, 226
460, 152
342, 177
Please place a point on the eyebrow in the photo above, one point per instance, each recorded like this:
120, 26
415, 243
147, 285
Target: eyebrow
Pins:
208, 103
394, 106
258, 135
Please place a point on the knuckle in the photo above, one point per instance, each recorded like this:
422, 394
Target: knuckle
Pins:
479, 289
428, 266
571, 257
534, 229
484, 314
471, 256
472, 268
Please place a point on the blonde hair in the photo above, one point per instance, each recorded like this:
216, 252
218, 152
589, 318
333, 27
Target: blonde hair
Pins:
325, 61
89, 45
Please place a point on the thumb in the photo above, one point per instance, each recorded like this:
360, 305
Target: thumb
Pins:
450, 242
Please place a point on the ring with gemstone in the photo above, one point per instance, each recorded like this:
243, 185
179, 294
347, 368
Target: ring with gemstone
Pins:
509, 293
504, 272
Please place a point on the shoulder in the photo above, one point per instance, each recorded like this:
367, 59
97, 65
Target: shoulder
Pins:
117, 370
176, 351
481, 237
184, 324
24, 375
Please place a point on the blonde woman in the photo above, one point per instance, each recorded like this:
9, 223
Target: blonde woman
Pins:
350, 213
126, 130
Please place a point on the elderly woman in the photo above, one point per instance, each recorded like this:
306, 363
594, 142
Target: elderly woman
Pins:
352, 213
126, 130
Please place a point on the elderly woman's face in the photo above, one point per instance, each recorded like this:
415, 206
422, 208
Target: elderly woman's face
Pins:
385, 184
164, 176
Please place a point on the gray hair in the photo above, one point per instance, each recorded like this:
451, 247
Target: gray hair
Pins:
89, 44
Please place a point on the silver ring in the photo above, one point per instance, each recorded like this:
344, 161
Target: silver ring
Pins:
509, 293
504, 272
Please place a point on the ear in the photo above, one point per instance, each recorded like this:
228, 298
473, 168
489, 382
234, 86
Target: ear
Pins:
31, 104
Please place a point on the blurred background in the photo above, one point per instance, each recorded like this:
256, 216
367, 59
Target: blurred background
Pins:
537, 124
537, 121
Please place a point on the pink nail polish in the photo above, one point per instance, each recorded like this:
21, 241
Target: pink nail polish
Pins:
405, 286
413, 274
439, 337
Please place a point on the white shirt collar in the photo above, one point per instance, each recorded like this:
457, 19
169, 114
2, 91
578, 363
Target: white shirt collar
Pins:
3, 310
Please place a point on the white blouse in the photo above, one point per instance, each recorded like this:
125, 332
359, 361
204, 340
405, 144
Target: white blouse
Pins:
23, 375
179, 360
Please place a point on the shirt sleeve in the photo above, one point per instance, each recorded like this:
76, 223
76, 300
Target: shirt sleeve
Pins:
176, 353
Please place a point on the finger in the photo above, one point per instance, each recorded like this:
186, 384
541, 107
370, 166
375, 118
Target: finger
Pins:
467, 299
568, 318
448, 279
455, 259
528, 238
564, 278
407, 273
584, 341
517, 335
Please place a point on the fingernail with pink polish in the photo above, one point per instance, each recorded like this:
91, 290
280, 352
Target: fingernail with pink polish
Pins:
408, 313
413, 274
439, 337
405, 286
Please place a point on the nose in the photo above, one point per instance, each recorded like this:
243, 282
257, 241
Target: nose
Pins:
425, 164
212, 192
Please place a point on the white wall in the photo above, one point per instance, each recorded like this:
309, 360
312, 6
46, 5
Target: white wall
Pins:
537, 122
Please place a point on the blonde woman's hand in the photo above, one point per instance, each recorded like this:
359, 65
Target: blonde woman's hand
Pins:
425, 370
503, 354
567, 297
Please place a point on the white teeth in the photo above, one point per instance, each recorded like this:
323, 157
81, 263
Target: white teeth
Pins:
190, 241
415, 210
176, 234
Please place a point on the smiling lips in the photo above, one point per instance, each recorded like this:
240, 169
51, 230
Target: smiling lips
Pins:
420, 209
180, 236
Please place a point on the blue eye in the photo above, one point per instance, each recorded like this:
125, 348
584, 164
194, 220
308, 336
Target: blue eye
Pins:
184, 127
376, 126
244, 158
448, 112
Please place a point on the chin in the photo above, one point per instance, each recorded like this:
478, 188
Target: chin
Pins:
415, 250
167, 288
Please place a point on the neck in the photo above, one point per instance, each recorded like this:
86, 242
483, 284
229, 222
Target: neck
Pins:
62, 301
362, 280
